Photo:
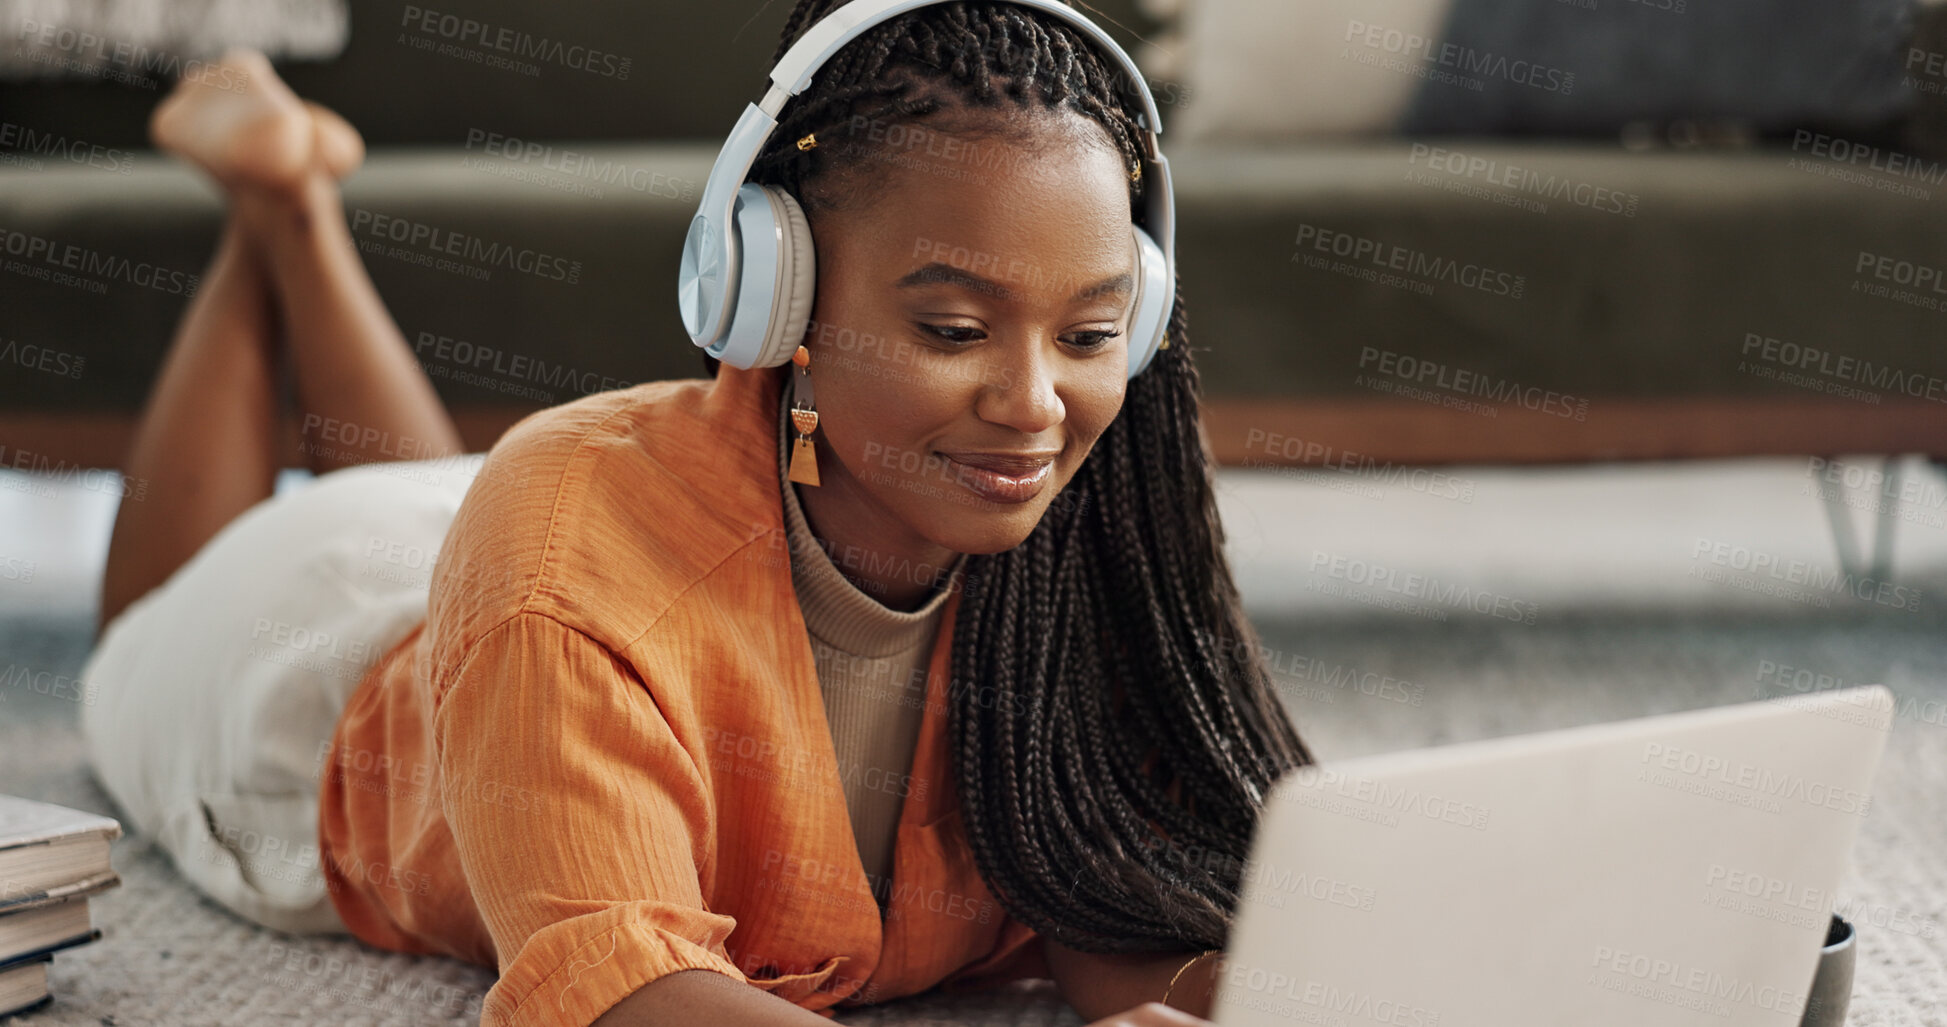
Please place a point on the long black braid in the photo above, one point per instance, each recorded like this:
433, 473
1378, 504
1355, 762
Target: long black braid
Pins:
1114, 725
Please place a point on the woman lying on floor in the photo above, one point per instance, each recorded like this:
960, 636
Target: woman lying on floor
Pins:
708, 713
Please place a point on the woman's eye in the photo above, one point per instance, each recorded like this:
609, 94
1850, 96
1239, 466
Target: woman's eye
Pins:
967, 333
1094, 340
953, 333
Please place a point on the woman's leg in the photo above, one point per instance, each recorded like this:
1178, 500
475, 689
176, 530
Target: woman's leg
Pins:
363, 396
206, 447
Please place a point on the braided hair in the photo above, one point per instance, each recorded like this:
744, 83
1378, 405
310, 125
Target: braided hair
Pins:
1113, 725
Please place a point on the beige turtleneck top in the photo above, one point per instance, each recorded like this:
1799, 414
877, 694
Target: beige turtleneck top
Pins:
872, 663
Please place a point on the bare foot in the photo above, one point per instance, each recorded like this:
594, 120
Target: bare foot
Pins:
337, 144
254, 133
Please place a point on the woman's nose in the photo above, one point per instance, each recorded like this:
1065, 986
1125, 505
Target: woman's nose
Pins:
1021, 391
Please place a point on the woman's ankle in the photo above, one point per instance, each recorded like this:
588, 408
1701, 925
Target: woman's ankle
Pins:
267, 214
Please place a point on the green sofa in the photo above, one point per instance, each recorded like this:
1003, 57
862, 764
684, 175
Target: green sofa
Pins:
1397, 300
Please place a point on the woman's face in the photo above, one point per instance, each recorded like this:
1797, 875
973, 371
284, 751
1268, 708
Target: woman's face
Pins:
969, 341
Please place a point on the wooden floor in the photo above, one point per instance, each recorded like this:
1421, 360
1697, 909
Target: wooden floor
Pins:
1245, 433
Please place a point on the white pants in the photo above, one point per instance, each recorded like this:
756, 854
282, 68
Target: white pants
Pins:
209, 700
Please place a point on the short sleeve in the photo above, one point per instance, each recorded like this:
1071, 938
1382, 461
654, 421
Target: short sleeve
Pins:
580, 824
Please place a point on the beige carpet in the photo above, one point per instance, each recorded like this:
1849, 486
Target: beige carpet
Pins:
1599, 651
170, 957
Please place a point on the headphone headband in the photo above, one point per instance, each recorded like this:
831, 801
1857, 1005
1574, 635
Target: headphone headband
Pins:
818, 43
712, 252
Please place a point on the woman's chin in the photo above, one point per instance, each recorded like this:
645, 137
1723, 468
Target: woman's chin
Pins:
987, 528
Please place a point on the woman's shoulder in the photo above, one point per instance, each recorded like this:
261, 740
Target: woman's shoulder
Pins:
602, 510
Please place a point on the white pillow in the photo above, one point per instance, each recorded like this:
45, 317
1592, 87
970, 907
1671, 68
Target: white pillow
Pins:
1281, 69
145, 41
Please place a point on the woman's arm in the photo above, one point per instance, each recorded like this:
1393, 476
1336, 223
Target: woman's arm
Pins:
705, 998
580, 822
1098, 985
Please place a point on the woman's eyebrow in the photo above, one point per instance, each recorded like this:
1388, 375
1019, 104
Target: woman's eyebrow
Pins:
940, 273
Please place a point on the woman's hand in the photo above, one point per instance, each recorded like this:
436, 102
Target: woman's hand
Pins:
1152, 1014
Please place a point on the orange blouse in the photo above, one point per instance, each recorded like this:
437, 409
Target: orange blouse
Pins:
603, 756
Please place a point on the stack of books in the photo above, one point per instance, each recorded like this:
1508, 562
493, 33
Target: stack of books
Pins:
51, 859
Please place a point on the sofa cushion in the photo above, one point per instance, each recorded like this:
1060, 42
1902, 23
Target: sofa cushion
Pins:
1579, 66
1276, 71
1280, 71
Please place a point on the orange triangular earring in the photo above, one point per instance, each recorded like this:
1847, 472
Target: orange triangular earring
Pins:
804, 457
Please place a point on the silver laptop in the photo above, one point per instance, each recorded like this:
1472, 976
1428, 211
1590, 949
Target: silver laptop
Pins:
1675, 870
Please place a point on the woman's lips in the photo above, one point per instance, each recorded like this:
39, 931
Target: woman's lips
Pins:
1007, 481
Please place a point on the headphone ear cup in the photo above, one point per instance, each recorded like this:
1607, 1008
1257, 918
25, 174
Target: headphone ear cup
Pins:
797, 280
1155, 299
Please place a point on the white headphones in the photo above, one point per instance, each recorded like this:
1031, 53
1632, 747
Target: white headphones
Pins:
749, 275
